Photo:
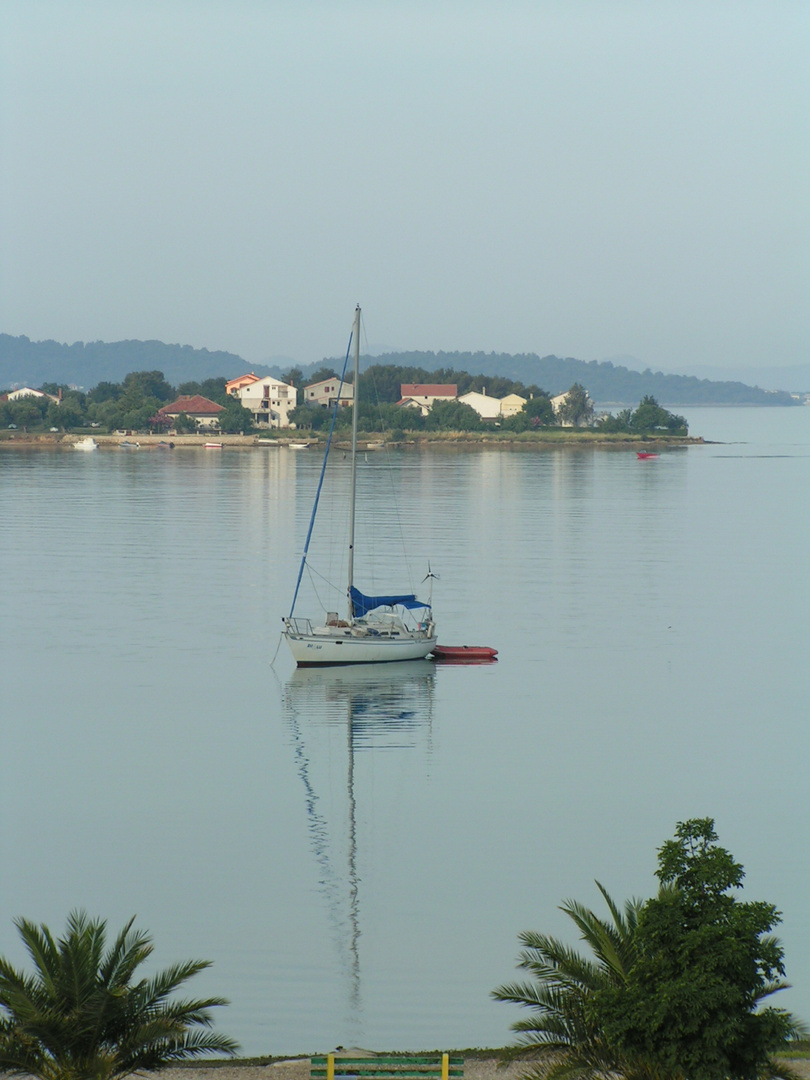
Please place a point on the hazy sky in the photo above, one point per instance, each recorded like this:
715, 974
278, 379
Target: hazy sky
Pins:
589, 178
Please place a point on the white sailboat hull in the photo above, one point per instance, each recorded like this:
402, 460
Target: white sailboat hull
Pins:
311, 649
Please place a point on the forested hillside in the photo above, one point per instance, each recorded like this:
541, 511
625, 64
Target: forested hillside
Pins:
33, 363
605, 382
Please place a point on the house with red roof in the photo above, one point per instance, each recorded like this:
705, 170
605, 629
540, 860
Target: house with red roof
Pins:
199, 408
422, 395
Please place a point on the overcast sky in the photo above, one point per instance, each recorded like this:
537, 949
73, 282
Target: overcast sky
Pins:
591, 178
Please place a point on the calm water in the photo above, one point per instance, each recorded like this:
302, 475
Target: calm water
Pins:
358, 852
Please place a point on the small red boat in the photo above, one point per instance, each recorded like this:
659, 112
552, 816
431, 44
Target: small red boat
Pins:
645, 455
464, 653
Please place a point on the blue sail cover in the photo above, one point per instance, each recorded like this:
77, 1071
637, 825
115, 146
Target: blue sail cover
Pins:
362, 605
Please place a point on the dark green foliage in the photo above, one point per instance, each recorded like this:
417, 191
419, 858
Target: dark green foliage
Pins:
706, 960
84, 1015
294, 377
105, 391
26, 412
648, 419
185, 424
675, 987
213, 389
561, 1034
147, 384
452, 416
383, 382
68, 414
235, 419
320, 375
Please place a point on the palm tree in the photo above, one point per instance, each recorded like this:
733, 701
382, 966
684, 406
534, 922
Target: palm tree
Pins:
81, 1015
562, 1035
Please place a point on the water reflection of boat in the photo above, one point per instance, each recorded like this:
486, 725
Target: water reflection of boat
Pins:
333, 716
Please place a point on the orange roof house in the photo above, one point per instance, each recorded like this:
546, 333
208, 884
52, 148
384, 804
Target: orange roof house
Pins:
235, 385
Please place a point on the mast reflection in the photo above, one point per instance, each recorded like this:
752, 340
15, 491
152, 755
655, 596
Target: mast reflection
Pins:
332, 715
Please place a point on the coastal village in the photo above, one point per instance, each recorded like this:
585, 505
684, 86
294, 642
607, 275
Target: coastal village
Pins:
270, 401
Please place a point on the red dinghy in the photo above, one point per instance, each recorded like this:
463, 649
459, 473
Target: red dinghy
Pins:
645, 455
464, 653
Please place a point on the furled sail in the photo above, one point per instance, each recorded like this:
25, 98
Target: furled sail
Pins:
361, 605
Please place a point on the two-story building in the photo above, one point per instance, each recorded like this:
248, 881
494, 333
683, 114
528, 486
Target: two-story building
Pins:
269, 400
486, 407
326, 391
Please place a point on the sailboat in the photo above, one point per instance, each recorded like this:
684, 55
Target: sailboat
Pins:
377, 629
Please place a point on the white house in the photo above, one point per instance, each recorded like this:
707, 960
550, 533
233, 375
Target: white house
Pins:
511, 404
486, 407
269, 400
325, 393
27, 391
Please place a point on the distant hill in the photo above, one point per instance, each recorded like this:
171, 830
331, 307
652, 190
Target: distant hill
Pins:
25, 362
607, 383
793, 377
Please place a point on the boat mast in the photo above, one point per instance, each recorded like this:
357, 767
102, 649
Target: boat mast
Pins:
355, 403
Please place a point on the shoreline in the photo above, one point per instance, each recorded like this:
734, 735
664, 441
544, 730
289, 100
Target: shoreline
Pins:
550, 440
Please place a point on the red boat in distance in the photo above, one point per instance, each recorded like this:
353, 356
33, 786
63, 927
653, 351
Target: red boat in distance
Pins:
645, 455
464, 654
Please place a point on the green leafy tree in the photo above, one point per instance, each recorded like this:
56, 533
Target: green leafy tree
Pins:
577, 409
692, 1000
213, 389
84, 1015
27, 411
294, 377
562, 1035
235, 419
185, 424
148, 384
105, 391
618, 424
452, 416
650, 417
320, 375
68, 413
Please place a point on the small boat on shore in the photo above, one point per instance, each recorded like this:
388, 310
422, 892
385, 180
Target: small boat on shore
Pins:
645, 455
213, 446
298, 445
464, 654
87, 443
